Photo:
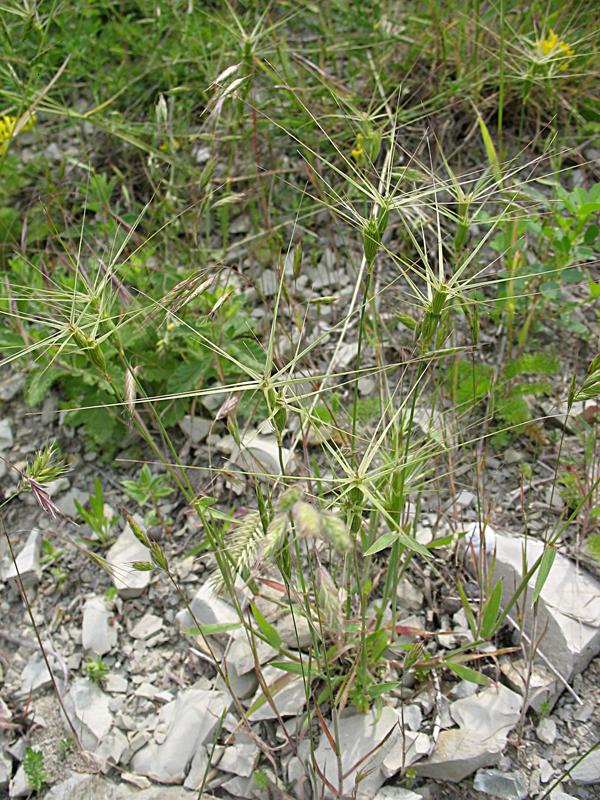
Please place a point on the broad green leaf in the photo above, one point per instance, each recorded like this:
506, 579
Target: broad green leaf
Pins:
381, 688
468, 674
545, 566
267, 630
387, 540
490, 613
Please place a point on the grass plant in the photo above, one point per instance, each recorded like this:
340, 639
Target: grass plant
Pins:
176, 181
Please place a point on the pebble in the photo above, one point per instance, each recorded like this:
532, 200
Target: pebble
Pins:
546, 731
147, 626
195, 428
546, 770
584, 712
11, 386
27, 561
6, 437
588, 770
87, 706
129, 582
116, 684
505, 785
98, 635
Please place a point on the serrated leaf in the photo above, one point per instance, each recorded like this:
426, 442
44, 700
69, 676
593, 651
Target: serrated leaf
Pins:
38, 383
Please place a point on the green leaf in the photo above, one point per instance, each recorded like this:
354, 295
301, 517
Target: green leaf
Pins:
468, 610
468, 674
594, 290
379, 689
545, 566
532, 363
267, 630
490, 613
38, 383
386, 540
490, 150
293, 667
213, 628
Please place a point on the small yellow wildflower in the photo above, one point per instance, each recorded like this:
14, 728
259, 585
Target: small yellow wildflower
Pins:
551, 46
7, 128
358, 151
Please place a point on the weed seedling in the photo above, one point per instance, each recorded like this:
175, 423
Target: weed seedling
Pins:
35, 772
95, 515
149, 489
95, 669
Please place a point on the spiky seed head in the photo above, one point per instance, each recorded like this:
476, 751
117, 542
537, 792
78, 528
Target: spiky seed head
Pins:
330, 603
371, 240
307, 520
288, 498
48, 464
336, 533
158, 556
137, 531
276, 533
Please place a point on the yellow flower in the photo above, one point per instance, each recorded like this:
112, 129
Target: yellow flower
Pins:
7, 128
551, 46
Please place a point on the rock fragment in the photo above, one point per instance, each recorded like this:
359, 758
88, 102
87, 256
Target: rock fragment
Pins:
546, 731
396, 793
207, 609
125, 551
27, 561
98, 635
147, 626
287, 691
87, 706
569, 604
6, 437
192, 718
35, 676
371, 748
503, 785
195, 428
588, 770
485, 719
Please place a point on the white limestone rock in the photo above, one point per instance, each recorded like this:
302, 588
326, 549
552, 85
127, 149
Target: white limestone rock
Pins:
208, 609
88, 708
569, 605
125, 551
485, 720
98, 635
359, 736
27, 561
192, 718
